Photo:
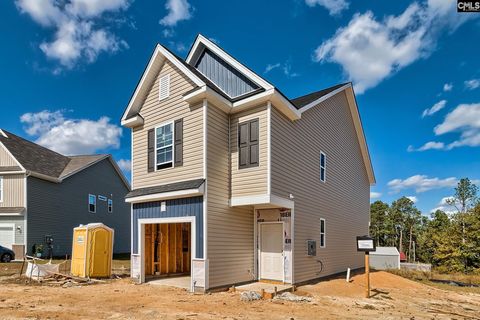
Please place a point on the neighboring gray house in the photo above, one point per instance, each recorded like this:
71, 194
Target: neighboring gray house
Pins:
233, 182
44, 193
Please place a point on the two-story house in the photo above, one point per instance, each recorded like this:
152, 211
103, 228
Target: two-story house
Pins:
44, 195
234, 182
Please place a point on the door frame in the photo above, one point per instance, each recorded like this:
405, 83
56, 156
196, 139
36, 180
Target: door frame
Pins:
260, 247
13, 229
141, 240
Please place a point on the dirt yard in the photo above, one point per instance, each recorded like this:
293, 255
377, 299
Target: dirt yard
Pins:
393, 297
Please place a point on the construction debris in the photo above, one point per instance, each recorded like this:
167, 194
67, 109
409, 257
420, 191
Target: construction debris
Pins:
288, 296
250, 296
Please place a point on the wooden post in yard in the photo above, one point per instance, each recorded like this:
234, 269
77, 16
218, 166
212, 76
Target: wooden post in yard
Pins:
367, 273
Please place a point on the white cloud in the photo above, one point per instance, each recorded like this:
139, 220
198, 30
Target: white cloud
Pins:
77, 31
375, 195
370, 50
270, 67
472, 84
71, 136
334, 7
444, 206
413, 199
465, 118
447, 87
125, 165
431, 145
421, 183
435, 108
178, 10
286, 68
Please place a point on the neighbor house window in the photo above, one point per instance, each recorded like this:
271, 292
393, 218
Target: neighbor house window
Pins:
110, 205
322, 233
164, 87
92, 203
1, 189
323, 167
248, 144
164, 146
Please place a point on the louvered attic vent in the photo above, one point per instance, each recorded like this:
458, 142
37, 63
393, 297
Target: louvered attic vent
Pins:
164, 87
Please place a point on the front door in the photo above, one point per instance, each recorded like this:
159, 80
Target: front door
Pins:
271, 251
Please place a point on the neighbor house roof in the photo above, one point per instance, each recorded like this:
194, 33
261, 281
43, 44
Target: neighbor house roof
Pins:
45, 163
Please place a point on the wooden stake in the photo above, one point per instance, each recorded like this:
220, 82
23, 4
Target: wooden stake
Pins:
367, 273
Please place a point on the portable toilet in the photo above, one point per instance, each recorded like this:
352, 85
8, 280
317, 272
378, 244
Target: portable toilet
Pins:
92, 251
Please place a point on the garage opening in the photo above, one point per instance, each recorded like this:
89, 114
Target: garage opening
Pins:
168, 253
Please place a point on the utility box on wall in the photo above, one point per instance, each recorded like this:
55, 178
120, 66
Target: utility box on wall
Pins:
311, 248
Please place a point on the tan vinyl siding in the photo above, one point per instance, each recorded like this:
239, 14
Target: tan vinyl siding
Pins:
343, 201
13, 190
157, 112
230, 230
6, 160
249, 181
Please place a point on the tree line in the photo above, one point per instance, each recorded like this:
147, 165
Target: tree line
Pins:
449, 241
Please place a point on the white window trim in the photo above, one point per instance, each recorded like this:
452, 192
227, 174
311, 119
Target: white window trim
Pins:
324, 233
110, 205
94, 211
160, 98
172, 123
323, 167
1, 188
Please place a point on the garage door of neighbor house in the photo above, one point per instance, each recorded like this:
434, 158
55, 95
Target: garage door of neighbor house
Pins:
7, 235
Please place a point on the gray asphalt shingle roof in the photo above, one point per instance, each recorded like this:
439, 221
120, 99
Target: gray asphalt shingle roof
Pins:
41, 160
177, 186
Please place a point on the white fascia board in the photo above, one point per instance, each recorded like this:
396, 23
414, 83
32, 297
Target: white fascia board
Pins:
11, 172
133, 121
159, 52
264, 200
213, 97
3, 133
323, 98
43, 177
285, 106
167, 195
226, 57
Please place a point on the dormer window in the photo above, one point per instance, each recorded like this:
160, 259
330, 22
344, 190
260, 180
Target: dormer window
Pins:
164, 87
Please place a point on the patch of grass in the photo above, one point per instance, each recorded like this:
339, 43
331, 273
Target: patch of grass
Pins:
427, 277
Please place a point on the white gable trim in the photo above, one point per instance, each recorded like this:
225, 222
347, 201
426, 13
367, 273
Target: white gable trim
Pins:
323, 98
137, 99
202, 42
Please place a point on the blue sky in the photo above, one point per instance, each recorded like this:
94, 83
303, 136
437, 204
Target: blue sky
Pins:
69, 67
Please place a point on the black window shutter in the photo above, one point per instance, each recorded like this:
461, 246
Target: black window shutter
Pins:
254, 142
178, 142
151, 150
248, 144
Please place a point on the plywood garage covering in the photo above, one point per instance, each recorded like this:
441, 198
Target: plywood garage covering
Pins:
167, 248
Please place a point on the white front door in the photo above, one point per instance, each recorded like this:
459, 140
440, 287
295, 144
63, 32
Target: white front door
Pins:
7, 235
271, 251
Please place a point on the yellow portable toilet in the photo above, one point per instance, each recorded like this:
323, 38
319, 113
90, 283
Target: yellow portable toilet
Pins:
92, 251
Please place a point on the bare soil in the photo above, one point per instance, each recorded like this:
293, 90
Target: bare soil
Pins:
393, 297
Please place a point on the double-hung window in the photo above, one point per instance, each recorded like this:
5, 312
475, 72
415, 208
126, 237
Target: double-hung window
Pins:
164, 146
323, 167
92, 203
322, 233
110, 205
